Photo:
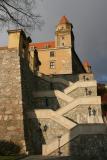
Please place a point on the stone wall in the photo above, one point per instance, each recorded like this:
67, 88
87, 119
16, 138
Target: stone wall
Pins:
49, 103
86, 76
76, 77
59, 86
53, 129
61, 102
77, 66
80, 92
43, 83
11, 111
85, 114
88, 146
48, 85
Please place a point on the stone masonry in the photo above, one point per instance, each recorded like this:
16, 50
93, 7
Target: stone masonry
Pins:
12, 128
11, 111
89, 146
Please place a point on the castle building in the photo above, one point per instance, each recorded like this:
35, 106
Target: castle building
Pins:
49, 104
58, 56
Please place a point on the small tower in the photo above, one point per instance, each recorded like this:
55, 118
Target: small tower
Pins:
63, 35
17, 39
87, 66
14, 38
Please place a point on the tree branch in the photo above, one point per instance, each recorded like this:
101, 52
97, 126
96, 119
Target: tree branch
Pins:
19, 12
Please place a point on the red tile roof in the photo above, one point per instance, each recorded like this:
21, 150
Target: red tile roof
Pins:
40, 45
86, 63
63, 20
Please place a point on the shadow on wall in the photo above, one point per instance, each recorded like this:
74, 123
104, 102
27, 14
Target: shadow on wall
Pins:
34, 136
104, 112
32, 132
46, 83
47, 102
102, 91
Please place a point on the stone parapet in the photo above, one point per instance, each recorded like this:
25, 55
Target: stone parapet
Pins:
81, 84
82, 129
80, 101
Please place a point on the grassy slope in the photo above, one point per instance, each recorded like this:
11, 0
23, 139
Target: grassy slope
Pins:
9, 157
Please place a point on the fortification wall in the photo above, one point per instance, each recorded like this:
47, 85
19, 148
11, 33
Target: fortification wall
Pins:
11, 111
88, 146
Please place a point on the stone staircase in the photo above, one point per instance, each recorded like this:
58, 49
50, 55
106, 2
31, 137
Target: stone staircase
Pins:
80, 115
79, 101
80, 84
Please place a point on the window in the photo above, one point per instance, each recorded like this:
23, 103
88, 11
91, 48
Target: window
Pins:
52, 65
62, 28
52, 54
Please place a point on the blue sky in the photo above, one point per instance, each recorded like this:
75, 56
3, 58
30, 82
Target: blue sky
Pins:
89, 18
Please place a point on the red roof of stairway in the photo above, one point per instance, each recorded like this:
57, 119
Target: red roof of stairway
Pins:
63, 20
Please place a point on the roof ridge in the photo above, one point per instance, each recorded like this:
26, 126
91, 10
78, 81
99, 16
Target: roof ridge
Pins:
49, 44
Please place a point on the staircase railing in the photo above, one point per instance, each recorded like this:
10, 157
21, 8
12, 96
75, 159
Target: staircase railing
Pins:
79, 101
80, 84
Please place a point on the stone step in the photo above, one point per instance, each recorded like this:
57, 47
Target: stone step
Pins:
33, 157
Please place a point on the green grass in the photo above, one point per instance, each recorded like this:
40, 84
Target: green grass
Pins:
9, 157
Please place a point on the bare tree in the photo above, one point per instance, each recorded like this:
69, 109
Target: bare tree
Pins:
21, 13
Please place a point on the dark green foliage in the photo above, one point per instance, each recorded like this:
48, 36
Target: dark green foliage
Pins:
8, 158
9, 148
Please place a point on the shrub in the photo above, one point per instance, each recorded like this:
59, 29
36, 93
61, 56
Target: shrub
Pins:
9, 148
